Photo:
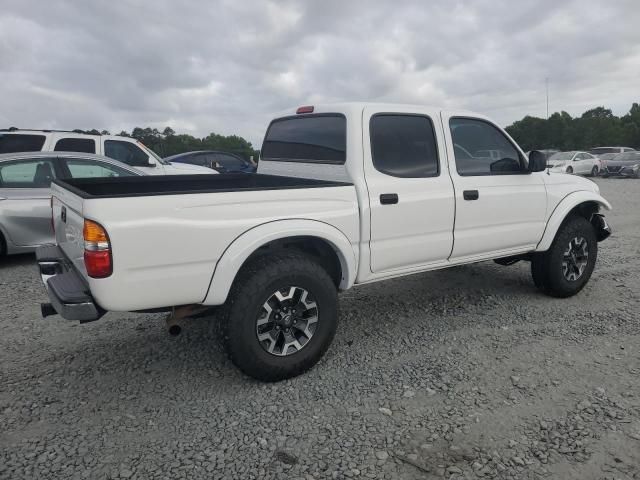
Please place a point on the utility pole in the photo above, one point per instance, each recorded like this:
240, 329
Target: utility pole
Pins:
546, 84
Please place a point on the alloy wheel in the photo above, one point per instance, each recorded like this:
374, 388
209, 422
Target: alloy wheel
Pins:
575, 259
287, 321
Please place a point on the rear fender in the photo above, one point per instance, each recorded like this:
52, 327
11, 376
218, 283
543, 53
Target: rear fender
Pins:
561, 211
242, 247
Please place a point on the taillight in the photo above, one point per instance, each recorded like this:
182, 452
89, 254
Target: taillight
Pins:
97, 250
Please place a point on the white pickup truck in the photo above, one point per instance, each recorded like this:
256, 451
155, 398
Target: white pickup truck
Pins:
344, 195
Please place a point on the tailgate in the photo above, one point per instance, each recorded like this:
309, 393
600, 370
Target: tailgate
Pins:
68, 223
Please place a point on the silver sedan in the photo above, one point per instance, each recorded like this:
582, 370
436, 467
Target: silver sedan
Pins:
25, 210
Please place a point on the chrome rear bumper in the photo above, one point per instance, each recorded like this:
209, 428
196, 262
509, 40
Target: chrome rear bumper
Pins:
68, 294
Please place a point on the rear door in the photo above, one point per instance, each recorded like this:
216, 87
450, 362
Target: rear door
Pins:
25, 211
410, 191
500, 206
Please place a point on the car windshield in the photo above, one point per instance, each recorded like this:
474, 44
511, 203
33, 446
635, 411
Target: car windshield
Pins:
601, 150
155, 155
561, 156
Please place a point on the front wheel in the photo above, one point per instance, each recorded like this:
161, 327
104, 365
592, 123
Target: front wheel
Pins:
569, 170
594, 171
564, 269
280, 317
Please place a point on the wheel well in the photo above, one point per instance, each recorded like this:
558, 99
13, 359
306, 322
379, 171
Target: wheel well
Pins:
318, 248
3, 245
585, 209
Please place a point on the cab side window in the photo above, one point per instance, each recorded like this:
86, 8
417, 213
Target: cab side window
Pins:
126, 152
482, 149
404, 145
84, 145
84, 168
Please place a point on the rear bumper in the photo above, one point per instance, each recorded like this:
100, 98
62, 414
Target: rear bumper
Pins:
69, 295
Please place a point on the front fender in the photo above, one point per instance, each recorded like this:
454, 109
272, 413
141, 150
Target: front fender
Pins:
561, 211
242, 247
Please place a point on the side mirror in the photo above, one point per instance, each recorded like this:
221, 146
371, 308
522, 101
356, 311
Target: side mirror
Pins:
537, 161
150, 165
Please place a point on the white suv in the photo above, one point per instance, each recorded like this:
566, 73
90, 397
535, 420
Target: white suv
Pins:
125, 149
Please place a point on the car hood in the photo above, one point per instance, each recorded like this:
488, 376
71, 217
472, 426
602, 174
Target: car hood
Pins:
187, 169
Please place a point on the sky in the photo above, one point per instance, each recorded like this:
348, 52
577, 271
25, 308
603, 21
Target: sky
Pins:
205, 66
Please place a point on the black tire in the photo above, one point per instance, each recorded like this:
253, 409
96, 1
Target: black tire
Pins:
255, 284
547, 267
3, 246
594, 171
605, 176
569, 170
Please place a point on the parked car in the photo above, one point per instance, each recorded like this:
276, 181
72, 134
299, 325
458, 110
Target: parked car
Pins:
222, 162
579, 163
25, 196
126, 150
345, 194
623, 165
598, 151
604, 158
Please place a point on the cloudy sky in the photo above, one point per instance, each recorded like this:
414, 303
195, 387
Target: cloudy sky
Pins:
224, 66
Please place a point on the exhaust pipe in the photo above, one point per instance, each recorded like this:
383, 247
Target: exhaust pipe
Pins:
174, 324
179, 314
46, 309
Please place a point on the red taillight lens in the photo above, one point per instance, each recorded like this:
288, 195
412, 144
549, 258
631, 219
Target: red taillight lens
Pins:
97, 250
98, 263
305, 109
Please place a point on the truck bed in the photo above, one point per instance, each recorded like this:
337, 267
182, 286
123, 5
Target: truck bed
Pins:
186, 184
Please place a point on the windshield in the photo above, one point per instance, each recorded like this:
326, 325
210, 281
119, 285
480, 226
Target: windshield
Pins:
561, 156
627, 157
601, 150
153, 154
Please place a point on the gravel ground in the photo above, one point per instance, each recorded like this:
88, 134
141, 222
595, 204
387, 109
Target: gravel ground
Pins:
463, 373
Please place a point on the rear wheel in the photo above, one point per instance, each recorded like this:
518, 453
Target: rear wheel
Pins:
594, 171
280, 317
564, 269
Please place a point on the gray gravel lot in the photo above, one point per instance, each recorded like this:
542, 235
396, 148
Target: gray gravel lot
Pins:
462, 373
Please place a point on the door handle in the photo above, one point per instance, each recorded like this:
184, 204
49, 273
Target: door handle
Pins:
470, 194
389, 198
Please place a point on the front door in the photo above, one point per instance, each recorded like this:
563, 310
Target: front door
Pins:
410, 191
500, 206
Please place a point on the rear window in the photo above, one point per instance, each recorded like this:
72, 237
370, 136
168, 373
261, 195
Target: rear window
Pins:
85, 145
11, 142
308, 139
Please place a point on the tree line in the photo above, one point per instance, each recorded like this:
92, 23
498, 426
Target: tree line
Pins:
595, 127
166, 142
